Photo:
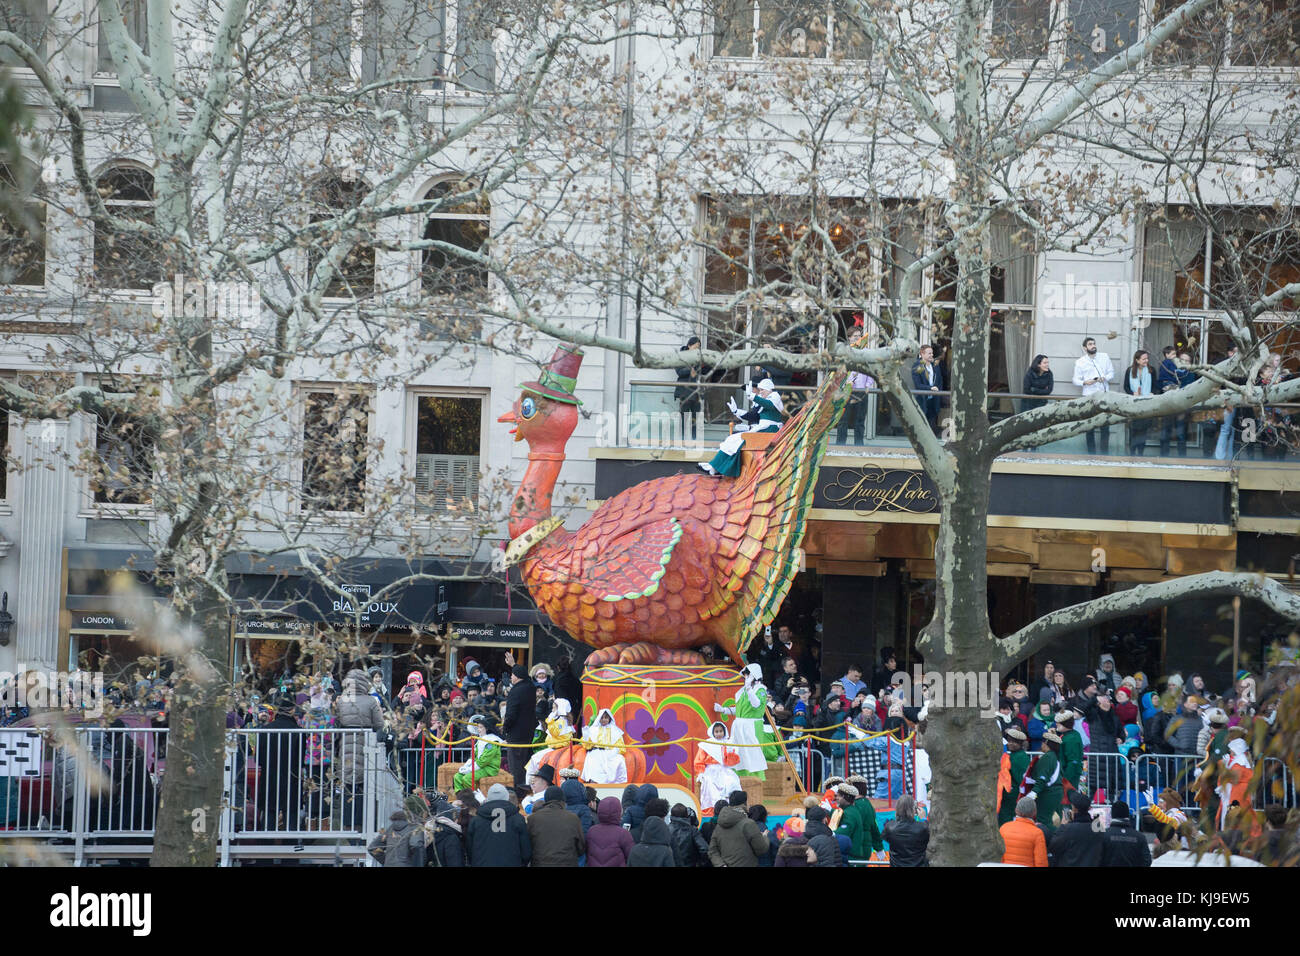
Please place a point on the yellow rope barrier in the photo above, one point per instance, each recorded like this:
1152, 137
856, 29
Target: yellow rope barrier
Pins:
578, 742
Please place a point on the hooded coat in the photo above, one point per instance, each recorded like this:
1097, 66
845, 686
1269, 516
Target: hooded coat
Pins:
401, 843
608, 844
823, 843
737, 840
792, 852
506, 843
556, 835
575, 801
634, 812
655, 846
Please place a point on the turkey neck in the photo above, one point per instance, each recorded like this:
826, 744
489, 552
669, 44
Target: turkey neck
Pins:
533, 499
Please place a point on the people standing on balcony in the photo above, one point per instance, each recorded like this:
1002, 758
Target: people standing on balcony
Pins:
687, 392
1137, 382
927, 376
1174, 373
1223, 447
856, 412
1092, 372
1038, 381
765, 414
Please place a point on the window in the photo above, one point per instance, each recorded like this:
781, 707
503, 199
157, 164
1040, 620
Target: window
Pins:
367, 41
1021, 28
124, 445
1189, 263
817, 29
448, 439
30, 21
1257, 33
1187, 266
462, 220
135, 15
332, 197
127, 260
22, 230
335, 427
1100, 29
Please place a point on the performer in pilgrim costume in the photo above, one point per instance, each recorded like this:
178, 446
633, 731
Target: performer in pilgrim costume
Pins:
765, 414
713, 763
748, 728
603, 740
1234, 778
559, 733
486, 760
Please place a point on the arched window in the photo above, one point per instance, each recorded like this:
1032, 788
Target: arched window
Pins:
127, 260
331, 198
22, 229
461, 219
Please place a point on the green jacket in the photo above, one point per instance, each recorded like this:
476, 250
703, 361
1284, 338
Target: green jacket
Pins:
1048, 788
851, 827
1019, 765
1072, 757
871, 839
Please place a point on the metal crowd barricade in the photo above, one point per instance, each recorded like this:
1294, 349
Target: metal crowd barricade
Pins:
1274, 784
1175, 772
37, 784
1112, 775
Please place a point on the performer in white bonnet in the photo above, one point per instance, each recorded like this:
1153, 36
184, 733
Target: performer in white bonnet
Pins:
713, 763
605, 762
750, 712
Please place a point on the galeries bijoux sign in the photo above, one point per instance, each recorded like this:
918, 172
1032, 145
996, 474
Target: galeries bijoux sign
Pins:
872, 490
358, 600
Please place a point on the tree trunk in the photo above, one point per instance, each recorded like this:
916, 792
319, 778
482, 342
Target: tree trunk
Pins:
189, 808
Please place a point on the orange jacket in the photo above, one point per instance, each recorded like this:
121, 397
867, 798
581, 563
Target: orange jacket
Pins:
1026, 845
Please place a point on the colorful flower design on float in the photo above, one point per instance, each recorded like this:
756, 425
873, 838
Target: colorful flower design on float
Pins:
656, 730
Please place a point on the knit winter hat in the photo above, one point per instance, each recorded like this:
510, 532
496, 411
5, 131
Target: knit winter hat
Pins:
520, 671
498, 792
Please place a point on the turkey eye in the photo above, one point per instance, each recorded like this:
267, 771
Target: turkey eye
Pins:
527, 408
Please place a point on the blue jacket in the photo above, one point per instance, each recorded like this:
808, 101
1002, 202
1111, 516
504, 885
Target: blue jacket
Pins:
575, 801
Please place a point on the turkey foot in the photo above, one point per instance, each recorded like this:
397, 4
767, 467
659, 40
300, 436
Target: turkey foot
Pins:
642, 652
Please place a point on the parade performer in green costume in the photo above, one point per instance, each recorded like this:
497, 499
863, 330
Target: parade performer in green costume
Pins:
486, 760
765, 414
1017, 766
751, 710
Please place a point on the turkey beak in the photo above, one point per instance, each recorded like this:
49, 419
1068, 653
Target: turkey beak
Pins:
509, 419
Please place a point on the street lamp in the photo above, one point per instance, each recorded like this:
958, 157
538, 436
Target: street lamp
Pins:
6, 621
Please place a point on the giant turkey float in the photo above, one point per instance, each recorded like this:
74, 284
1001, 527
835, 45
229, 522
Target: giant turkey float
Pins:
663, 568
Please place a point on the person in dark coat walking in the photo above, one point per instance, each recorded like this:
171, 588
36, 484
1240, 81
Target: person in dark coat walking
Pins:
1076, 843
498, 835
575, 800
556, 833
1122, 844
821, 839
655, 846
689, 846
520, 721
447, 848
401, 843
907, 836
608, 844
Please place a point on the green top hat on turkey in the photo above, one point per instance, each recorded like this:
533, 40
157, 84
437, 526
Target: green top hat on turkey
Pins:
559, 376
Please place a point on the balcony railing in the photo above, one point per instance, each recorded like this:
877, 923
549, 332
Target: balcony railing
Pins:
655, 420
